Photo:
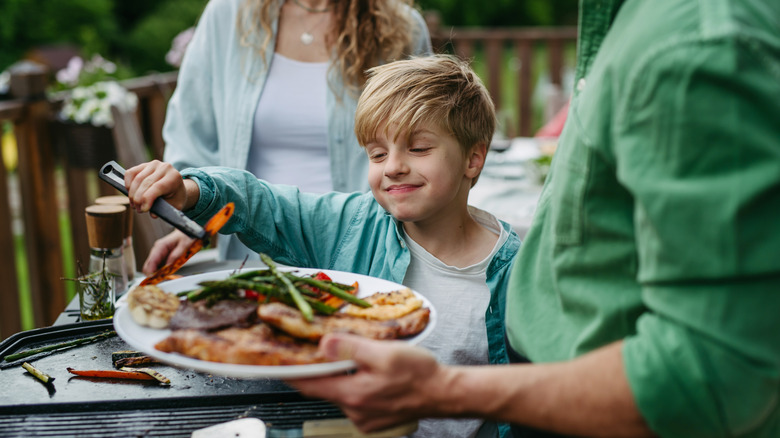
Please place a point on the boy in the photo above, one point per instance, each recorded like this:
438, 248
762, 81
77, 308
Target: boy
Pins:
425, 124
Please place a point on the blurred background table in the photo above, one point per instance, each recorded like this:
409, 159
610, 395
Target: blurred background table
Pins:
511, 181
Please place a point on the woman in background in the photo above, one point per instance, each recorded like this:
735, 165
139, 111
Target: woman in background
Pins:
271, 86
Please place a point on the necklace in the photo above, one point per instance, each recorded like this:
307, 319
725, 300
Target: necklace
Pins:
307, 37
310, 9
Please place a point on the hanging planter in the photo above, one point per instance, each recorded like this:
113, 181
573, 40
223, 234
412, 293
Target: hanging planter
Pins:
83, 145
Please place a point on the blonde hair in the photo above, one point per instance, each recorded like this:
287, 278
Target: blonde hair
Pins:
439, 90
363, 33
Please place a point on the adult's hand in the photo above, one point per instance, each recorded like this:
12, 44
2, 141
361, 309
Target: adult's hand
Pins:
165, 250
395, 383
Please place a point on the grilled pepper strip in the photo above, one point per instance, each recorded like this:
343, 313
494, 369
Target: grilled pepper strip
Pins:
154, 374
112, 374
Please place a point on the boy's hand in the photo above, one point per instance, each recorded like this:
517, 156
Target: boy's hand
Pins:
155, 179
392, 385
166, 250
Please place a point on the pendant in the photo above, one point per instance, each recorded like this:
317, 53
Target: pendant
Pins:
307, 38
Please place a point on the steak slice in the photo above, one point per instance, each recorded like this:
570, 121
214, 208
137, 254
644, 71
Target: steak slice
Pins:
199, 315
291, 321
256, 345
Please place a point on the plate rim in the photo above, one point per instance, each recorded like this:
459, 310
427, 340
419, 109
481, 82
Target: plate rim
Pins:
123, 322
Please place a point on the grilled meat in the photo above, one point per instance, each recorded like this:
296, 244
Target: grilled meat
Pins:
290, 321
199, 315
257, 345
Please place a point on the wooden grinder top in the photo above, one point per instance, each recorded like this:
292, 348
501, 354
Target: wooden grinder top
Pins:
105, 225
120, 200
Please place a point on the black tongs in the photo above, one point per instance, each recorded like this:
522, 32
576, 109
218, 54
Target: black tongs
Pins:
114, 174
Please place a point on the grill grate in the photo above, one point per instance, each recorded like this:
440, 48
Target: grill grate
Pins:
178, 422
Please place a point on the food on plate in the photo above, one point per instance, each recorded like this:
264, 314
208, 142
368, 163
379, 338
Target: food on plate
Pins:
199, 315
290, 321
386, 305
257, 345
151, 306
275, 317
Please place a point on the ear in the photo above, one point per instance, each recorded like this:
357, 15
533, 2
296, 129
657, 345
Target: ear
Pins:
475, 160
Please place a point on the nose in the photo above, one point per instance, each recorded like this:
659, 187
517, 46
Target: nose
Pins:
395, 165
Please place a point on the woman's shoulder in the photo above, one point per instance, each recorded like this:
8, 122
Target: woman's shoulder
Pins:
220, 10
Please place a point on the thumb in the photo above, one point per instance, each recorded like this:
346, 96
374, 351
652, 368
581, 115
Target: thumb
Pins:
341, 346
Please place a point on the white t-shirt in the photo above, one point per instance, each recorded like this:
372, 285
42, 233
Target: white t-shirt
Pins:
461, 297
291, 126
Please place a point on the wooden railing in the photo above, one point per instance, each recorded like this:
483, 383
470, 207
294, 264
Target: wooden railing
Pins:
32, 112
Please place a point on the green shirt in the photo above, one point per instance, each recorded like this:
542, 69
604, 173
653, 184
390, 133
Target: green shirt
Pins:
660, 221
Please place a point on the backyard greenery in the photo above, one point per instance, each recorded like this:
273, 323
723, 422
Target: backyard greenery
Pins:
137, 34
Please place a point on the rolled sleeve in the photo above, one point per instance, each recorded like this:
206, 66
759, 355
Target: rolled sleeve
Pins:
705, 361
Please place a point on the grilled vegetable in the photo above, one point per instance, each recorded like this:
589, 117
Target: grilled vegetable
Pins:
130, 359
112, 374
302, 304
154, 374
61, 345
40, 375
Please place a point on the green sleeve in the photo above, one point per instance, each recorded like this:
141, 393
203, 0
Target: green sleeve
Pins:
698, 147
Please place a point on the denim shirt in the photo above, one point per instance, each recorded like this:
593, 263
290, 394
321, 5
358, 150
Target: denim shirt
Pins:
339, 231
210, 116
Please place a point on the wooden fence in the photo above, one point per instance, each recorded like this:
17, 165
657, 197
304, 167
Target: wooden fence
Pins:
31, 113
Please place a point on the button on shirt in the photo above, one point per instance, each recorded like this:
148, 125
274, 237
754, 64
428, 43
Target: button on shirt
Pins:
658, 224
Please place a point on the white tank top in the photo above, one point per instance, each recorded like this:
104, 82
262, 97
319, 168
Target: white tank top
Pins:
290, 134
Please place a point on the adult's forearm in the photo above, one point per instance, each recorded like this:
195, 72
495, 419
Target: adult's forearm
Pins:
589, 396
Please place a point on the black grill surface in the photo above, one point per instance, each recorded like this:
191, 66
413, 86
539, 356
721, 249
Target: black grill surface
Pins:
87, 407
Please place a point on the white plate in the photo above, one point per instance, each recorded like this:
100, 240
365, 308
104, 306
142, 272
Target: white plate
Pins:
144, 338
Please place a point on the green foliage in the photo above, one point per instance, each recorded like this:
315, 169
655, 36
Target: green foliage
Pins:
504, 13
24, 24
151, 38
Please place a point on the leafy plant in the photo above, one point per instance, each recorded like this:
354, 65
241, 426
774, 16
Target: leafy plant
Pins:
93, 91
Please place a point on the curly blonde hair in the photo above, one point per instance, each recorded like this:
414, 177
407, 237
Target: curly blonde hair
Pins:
364, 33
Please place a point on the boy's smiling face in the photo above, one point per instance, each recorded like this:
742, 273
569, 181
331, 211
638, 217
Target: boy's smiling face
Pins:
422, 178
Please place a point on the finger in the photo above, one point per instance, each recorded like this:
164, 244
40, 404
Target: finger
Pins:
350, 347
160, 183
159, 252
134, 179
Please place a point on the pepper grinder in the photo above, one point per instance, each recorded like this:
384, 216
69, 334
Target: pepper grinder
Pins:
107, 273
127, 244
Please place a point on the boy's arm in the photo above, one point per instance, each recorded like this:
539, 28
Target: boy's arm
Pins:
296, 228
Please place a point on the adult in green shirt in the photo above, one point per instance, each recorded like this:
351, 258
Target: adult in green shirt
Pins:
647, 293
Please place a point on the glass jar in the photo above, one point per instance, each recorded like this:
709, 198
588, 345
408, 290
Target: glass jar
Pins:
97, 289
107, 274
127, 242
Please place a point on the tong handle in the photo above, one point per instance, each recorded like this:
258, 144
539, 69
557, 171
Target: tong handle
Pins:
114, 174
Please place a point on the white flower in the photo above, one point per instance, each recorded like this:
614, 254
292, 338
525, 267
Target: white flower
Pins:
93, 104
70, 74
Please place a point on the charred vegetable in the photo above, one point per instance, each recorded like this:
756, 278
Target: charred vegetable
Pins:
40, 375
61, 345
131, 359
125, 373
